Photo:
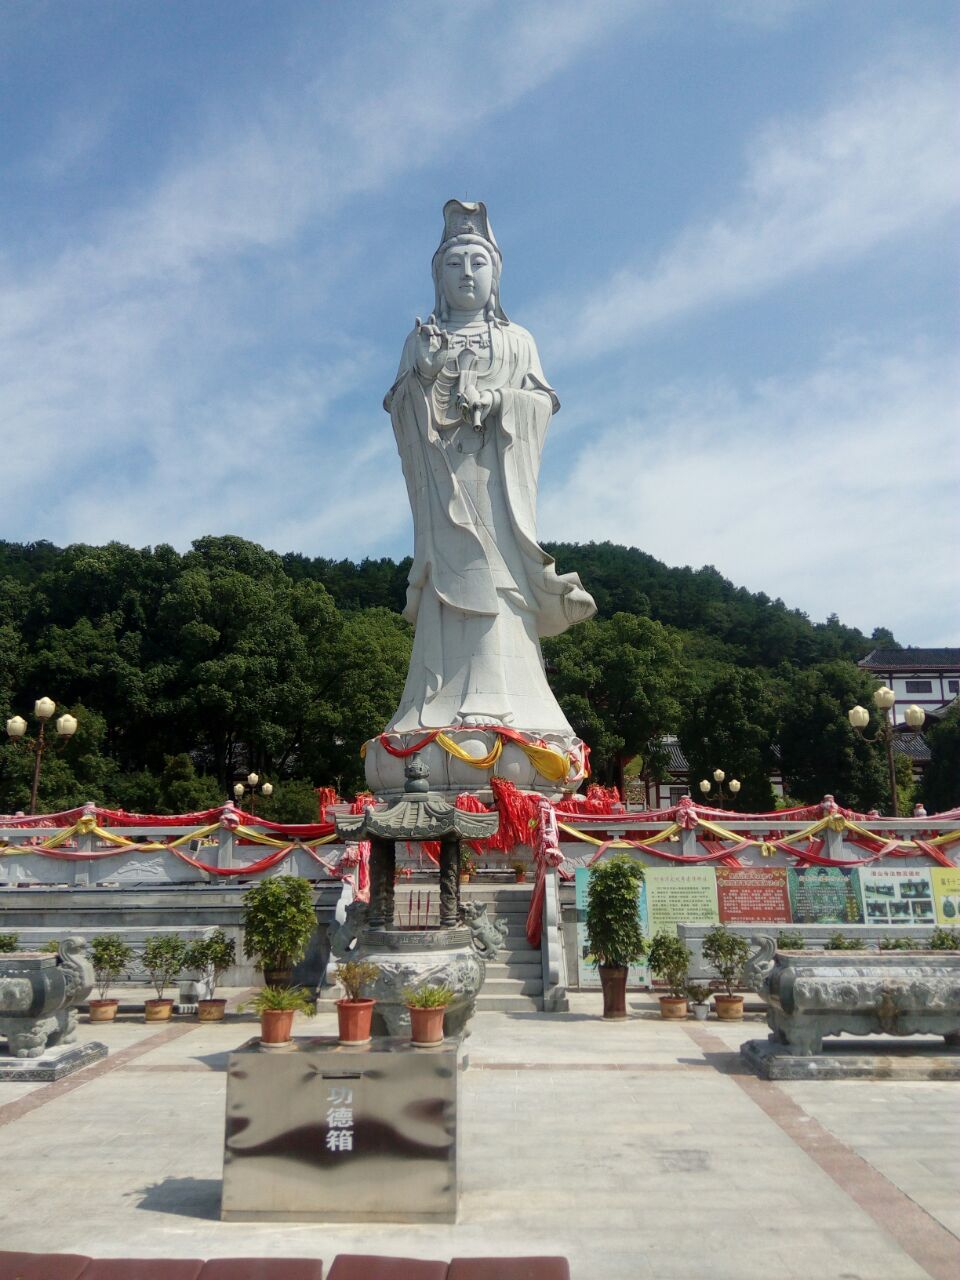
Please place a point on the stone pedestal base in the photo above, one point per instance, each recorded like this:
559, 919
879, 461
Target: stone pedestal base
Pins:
54, 1064
854, 1060
450, 776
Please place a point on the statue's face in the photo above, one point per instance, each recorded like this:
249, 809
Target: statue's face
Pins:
466, 277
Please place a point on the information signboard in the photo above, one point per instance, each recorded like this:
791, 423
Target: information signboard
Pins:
680, 895
753, 895
896, 895
945, 882
638, 975
824, 895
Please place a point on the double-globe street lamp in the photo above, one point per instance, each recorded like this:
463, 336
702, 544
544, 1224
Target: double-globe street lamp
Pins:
859, 718
251, 787
719, 777
43, 709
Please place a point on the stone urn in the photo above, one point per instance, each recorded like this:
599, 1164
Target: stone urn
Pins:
39, 995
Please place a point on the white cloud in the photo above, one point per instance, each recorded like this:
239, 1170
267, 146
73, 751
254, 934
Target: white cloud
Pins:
815, 191
835, 490
123, 344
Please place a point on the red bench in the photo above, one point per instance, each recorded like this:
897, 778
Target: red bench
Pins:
346, 1266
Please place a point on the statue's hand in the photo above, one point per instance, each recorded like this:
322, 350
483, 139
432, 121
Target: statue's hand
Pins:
432, 342
475, 405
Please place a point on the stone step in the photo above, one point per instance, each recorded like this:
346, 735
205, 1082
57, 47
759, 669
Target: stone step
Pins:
512, 986
509, 1004
524, 968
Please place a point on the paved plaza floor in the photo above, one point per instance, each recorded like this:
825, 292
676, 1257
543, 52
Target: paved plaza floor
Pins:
638, 1149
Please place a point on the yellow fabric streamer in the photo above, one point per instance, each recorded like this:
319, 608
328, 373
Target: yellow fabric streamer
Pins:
549, 764
659, 838
478, 762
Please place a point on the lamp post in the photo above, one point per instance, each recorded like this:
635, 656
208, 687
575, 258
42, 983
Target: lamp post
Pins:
719, 777
43, 709
251, 787
859, 718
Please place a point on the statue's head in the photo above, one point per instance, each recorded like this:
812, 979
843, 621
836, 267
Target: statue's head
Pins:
466, 266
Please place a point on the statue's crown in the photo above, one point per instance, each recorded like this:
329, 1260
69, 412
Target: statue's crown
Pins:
462, 218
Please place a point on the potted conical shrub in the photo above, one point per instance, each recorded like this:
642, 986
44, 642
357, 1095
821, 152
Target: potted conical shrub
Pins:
727, 952
613, 927
355, 1010
211, 956
278, 922
427, 1006
698, 997
669, 961
276, 1007
109, 955
162, 957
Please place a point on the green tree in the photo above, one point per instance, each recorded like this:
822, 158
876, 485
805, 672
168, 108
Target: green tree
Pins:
820, 753
618, 680
729, 724
941, 779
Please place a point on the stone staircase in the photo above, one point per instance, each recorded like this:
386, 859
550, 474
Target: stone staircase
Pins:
514, 981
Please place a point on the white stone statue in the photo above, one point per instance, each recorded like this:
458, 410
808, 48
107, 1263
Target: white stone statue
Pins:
470, 409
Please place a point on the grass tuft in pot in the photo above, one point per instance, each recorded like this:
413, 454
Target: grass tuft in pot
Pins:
427, 1005
354, 975
281, 999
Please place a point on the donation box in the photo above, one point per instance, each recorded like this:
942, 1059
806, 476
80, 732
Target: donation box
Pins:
320, 1132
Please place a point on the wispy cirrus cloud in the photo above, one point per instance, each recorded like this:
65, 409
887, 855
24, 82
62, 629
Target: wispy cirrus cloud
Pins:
816, 190
836, 486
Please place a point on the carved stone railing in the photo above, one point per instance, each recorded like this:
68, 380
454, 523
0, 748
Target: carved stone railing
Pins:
552, 954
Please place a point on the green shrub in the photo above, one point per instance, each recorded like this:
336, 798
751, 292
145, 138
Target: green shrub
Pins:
9, 941
945, 939
669, 960
109, 955
354, 975
787, 940
698, 992
837, 942
278, 921
898, 944
212, 955
613, 923
163, 956
727, 952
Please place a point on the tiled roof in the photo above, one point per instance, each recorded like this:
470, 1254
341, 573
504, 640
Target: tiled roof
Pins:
913, 745
911, 660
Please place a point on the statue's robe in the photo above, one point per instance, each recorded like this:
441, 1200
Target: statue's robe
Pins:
481, 589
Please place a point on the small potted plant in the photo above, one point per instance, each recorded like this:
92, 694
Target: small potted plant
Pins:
276, 1007
212, 957
728, 953
162, 957
519, 871
278, 922
467, 865
613, 927
109, 955
698, 994
427, 1006
669, 961
355, 1010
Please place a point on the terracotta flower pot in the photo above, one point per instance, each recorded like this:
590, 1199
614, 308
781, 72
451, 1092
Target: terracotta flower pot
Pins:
613, 982
103, 1010
729, 1008
426, 1025
354, 1018
673, 1008
157, 1010
211, 1010
520, 877
276, 1026
464, 877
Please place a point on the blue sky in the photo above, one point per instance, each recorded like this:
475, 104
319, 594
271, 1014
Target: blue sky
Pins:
731, 226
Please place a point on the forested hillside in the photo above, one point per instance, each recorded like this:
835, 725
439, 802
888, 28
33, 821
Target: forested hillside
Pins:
187, 670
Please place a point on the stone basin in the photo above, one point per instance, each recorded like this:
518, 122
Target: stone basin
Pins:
812, 994
39, 995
